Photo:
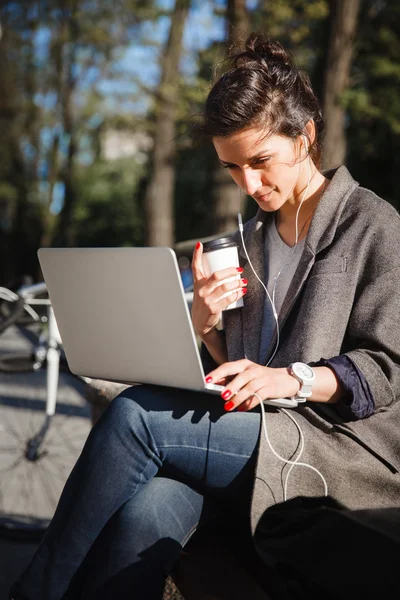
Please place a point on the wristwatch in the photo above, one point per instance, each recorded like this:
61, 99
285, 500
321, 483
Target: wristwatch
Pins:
305, 376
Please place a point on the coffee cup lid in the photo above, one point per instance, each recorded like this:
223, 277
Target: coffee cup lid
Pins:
219, 244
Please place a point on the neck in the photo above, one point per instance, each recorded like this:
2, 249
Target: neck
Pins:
286, 216
287, 212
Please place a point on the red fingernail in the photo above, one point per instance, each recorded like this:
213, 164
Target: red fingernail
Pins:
229, 406
208, 379
244, 290
239, 269
198, 245
245, 281
226, 394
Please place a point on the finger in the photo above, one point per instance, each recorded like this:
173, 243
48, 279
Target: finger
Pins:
223, 297
264, 393
222, 381
197, 262
209, 311
245, 406
229, 395
243, 388
224, 276
246, 383
246, 393
249, 404
254, 401
228, 369
220, 302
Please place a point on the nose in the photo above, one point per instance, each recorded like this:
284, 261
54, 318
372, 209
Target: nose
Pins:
251, 181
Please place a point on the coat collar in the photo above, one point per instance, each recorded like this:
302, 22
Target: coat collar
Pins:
320, 235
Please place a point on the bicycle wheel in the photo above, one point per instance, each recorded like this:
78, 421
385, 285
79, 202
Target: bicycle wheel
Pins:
30, 486
25, 362
27, 317
12, 309
24, 319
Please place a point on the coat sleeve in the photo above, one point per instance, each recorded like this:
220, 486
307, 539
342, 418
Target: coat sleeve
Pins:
374, 336
358, 401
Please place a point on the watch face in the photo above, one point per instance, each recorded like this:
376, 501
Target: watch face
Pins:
302, 370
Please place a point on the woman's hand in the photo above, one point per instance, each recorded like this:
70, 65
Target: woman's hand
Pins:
208, 297
250, 378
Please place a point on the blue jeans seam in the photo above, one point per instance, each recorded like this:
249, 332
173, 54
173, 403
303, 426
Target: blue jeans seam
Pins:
142, 478
207, 450
189, 534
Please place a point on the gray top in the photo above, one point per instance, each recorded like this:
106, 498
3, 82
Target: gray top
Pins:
281, 263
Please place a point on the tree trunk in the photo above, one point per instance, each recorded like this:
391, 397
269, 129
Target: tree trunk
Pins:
160, 192
60, 35
32, 123
65, 235
343, 25
49, 219
13, 183
238, 21
229, 200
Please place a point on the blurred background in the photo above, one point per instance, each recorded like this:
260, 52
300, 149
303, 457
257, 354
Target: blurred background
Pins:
96, 102
97, 96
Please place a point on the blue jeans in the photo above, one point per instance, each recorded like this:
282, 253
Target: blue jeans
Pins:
118, 529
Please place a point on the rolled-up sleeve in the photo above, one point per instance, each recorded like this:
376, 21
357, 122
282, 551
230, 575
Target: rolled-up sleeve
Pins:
358, 401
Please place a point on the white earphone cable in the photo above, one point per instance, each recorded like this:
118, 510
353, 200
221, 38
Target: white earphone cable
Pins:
289, 462
295, 462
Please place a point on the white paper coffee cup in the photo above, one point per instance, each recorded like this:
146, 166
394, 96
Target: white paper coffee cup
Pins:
222, 254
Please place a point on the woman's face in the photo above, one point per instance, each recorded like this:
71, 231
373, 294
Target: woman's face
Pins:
270, 169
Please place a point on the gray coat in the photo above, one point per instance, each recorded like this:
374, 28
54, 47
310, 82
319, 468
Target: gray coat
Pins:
344, 299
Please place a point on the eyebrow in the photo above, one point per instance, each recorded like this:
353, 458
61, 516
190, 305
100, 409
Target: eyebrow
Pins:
250, 160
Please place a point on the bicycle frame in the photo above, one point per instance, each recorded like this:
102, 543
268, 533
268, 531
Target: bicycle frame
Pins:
38, 448
52, 354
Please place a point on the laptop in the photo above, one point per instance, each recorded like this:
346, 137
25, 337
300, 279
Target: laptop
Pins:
123, 316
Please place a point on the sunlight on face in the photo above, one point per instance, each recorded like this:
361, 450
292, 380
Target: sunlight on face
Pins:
269, 169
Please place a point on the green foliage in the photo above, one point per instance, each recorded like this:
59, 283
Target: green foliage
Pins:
38, 87
373, 101
297, 24
108, 212
193, 198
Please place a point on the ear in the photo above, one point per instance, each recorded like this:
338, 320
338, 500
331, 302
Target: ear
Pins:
310, 132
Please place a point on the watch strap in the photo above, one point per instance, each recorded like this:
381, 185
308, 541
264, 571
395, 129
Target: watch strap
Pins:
305, 389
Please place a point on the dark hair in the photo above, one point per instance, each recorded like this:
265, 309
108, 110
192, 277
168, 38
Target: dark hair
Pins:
264, 88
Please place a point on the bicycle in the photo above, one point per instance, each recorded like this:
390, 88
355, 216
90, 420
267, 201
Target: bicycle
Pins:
37, 450
28, 426
11, 308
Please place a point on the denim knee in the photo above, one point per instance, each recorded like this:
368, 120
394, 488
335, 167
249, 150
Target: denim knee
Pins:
163, 509
142, 541
124, 409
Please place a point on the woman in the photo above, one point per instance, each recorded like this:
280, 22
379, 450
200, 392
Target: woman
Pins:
329, 252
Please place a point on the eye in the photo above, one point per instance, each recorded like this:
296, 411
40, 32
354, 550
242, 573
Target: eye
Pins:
229, 166
261, 161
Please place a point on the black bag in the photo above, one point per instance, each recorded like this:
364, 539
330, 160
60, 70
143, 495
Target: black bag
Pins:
324, 550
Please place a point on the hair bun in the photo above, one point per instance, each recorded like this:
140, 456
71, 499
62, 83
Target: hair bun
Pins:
268, 49
259, 49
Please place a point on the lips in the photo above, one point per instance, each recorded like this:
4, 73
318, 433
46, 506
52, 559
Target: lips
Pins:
263, 197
